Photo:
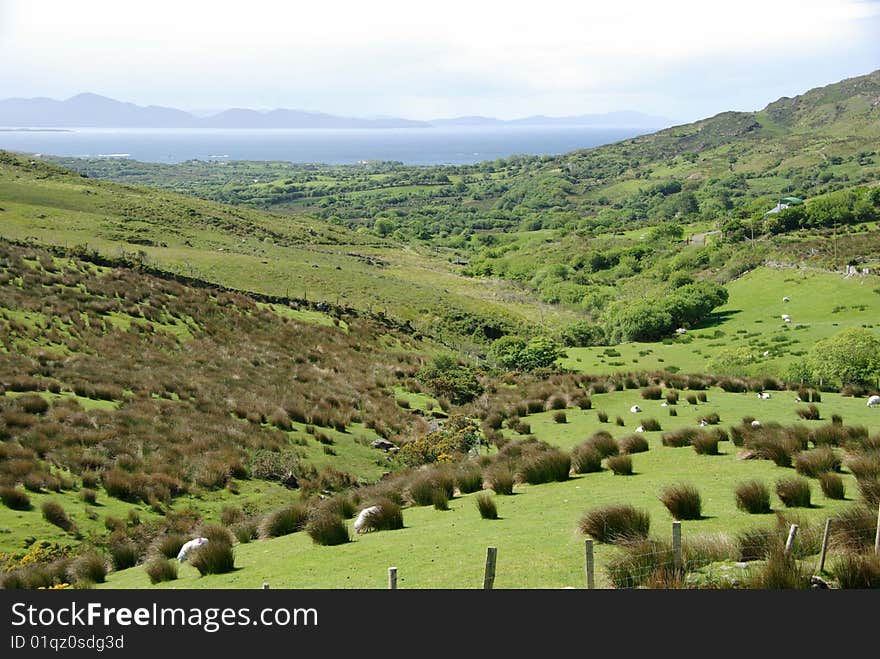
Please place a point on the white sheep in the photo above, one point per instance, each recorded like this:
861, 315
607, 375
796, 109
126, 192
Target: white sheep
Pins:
756, 424
786, 317
874, 401
764, 395
640, 429
189, 547
363, 522
786, 299
635, 409
703, 423
664, 404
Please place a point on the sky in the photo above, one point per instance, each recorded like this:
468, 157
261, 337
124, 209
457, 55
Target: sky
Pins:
681, 59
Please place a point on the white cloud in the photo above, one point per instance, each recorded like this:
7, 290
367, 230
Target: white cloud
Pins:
390, 55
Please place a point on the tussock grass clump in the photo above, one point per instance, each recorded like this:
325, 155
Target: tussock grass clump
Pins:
559, 417
754, 544
88, 568
635, 443
679, 438
602, 416
327, 529
691, 399
284, 521
672, 397
616, 523
486, 506
832, 485
712, 418
582, 401
701, 396
160, 569
603, 443
213, 558
501, 478
673, 411
231, 515
864, 465
650, 424
89, 496
642, 562
54, 513
869, 488
621, 465
33, 404
14, 498
439, 500
816, 462
753, 497
469, 478
780, 571
585, 459
705, 443
545, 466
794, 492
246, 530
216, 533
557, 403
854, 528
169, 545
682, 501
811, 413
124, 553
652, 393
702, 549
857, 570
389, 517
619, 421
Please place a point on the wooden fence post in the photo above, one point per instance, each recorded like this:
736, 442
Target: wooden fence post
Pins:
591, 575
877, 537
825, 537
676, 545
489, 577
392, 578
792, 534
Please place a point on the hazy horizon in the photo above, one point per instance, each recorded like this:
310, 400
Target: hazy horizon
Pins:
678, 60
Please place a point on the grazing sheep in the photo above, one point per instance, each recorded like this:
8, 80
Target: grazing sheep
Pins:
766, 353
664, 404
756, 424
362, 523
188, 548
635, 409
874, 401
640, 429
681, 330
764, 395
787, 320
786, 317
786, 299
797, 399
703, 423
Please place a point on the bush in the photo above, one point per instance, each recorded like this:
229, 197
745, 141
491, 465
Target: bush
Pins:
486, 506
633, 444
545, 467
753, 497
213, 558
794, 492
682, 501
559, 417
602, 416
857, 570
705, 444
500, 478
14, 498
327, 529
652, 393
161, 569
89, 568
53, 512
389, 517
586, 459
618, 523
469, 478
832, 485
650, 425
816, 462
286, 520
621, 465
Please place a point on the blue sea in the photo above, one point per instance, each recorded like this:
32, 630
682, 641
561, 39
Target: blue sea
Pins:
414, 146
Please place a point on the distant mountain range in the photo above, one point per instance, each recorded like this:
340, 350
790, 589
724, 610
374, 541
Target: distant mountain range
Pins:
94, 111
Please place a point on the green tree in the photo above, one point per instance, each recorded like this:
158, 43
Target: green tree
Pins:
515, 353
849, 357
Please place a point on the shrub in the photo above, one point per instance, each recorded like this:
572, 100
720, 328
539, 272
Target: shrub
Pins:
816, 462
327, 529
53, 512
14, 498
88, 568
682, 501
469, 478
705, 444
545, 466
160, 569
633, 444
650, 425
602, 416
213, 558
794, 492
810, 412
621, 465
389, 517
586, 459
642, 562
500, 478
617, 523
286, 520
486, 506
753, 497
857, 570
652, 393
559, 417
832, 485
33, 404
